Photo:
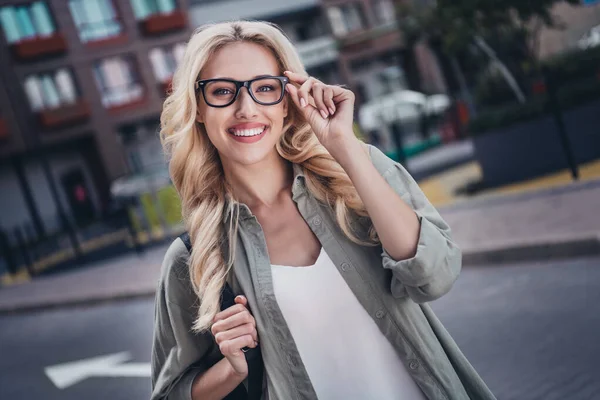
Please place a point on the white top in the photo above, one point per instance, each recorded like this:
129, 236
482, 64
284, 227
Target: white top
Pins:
344, 352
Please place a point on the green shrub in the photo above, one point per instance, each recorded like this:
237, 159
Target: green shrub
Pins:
499, 117
566, 69
568, 96
171, 205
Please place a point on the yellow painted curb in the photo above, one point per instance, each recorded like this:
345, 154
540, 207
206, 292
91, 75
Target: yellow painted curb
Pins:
441, 189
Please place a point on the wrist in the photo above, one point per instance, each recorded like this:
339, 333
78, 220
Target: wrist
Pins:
345, 150
349, 152
235, 374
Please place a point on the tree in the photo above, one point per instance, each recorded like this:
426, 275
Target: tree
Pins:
506, 31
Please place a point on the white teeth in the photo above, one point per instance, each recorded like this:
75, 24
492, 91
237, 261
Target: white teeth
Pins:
247, 132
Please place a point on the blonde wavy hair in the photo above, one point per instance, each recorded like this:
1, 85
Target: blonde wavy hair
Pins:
197, 172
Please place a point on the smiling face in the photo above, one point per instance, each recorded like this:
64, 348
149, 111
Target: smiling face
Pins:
244, 132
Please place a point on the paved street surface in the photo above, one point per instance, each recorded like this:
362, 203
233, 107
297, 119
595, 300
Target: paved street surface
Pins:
546, 216
530, 330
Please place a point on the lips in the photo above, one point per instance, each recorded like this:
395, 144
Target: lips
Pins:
248, 132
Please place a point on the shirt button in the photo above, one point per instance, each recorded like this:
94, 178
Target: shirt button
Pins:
379, 314
345, 266
317, 221
413, 364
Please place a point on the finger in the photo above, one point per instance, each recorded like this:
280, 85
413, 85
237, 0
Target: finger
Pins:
340, 93
295, 77
232, 322
328, 99
246, 329
293, 91
317, 93
229, 311
241, 300
295, 94
304, 92
234, 346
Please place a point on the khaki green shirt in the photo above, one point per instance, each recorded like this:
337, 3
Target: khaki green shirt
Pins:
393, 292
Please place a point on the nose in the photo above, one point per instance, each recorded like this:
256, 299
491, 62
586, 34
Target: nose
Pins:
246, 108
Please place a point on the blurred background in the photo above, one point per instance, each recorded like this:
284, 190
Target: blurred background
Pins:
493, 106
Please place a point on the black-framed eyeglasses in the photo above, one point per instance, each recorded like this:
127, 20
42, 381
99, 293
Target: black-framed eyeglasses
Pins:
264, 90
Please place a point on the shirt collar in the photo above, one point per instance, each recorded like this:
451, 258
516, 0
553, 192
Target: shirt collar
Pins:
298, 188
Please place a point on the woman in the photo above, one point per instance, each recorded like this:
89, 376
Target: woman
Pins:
331, 247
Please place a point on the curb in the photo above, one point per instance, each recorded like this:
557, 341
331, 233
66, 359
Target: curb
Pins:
546, 250
496, 199
74, 303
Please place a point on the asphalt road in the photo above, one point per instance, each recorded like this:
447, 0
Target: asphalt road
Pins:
531, 330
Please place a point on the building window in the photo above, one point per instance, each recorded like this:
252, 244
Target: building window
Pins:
145, 8
165, 60
95, 19
141, 146
117, 81
345, 19
27, 21
51, 90
384, 10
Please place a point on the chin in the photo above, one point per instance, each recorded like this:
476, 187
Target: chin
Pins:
252, 154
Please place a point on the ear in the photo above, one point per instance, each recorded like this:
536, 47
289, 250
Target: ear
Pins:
285, 106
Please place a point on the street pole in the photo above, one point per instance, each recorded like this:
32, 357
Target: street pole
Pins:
397, 136
59, 208
560, 123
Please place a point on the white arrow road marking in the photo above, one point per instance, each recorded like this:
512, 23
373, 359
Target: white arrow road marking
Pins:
68, 374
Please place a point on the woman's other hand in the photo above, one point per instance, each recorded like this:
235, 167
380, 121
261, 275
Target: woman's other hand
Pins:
235, 328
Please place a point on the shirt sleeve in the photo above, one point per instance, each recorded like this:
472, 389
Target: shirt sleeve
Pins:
178, 354
437, 263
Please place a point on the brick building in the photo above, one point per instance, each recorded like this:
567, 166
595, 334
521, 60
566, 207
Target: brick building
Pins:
82, 86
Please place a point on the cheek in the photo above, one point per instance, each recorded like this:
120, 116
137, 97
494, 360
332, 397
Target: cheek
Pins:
277, 116
215, 120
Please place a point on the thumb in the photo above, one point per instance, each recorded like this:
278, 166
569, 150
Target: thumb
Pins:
241, 300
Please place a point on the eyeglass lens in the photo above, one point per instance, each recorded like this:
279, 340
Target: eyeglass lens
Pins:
265, 91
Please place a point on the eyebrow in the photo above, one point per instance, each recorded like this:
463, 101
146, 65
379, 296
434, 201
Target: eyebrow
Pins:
255, 77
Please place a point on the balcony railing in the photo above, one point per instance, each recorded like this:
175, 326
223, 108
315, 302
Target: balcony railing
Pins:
318, 51
38, 47
128, 106
364, 35
3, 129
109, 41
65, 115
161, 23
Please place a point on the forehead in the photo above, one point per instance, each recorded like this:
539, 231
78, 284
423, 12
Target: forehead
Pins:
241, 61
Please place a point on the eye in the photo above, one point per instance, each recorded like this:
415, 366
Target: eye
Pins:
222, 91
266, 88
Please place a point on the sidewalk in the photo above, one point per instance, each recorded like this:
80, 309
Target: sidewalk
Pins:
557, 222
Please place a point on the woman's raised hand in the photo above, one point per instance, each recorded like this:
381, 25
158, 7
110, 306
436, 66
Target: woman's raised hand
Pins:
235, 328
329, 109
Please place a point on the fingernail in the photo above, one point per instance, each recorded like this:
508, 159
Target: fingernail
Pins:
324, 114
331, 110
302, 102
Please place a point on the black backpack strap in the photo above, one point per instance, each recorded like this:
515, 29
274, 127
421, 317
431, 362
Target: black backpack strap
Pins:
253, 356
185, 238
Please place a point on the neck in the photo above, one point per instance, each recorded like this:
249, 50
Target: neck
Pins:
259, 185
